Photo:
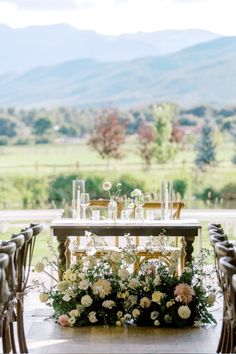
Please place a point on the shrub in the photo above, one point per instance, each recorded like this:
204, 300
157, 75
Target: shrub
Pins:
228, 192
208, 193
180, 186
4, 141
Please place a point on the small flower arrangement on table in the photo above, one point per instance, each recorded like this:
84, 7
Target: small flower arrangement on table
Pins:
106, 291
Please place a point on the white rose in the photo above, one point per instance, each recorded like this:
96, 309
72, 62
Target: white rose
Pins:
43, 297
81, 276
86, 301
145, 302
66, 298
211, 299
133, 283
74, 313
157, 297
83, 285
116, 257
71, 321
73, 277
119, 314
133, 299
184, 312
135, 313
67, 274
118, 323
123, 274
39, 267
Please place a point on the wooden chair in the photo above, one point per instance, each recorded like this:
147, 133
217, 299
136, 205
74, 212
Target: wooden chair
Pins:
9, 249
4, 298
223, 249
228, 269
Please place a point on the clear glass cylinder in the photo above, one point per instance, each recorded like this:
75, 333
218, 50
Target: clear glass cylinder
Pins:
139, 213
112, 210
166, 194
78, 187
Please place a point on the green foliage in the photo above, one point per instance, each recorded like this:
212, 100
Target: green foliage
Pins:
4, 140
41, 125
209, 193
180, 186
206, 154
8, 127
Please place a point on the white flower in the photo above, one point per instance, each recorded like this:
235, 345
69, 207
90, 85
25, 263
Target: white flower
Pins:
184, 312
127, 317
92, 317
86, 301
39, 267
116, 257
67, 274
101, 287
43, 297
145, 302
154, 315
197, 324
187, 270
62, 285
135, 193
107, 186
81, 276
211, 299
156, 323
66, 298
135, 313
72, 320
118, 323
157, 297
133, 283
73, 277
119, 314
74, 313
157, 280
108, 304
83, 285
123, 274
133, 299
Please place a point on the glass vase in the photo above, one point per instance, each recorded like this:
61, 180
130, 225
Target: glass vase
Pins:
139, 213
112, 210
167, 199
78, 187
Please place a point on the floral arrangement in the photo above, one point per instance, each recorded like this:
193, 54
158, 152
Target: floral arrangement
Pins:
107, 186
105, 290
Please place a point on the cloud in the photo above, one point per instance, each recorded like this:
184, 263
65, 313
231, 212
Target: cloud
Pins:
44, 5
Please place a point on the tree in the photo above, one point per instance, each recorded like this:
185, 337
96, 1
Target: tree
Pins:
8, 127
146, 142
206, 154
164, 115
108, 136
41, 125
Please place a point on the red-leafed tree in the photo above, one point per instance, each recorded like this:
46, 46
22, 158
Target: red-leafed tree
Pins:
146, 142
108, 136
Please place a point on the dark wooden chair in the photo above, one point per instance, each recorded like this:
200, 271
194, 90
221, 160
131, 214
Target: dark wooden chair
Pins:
223, 249
9, 249
228, 269
4, 297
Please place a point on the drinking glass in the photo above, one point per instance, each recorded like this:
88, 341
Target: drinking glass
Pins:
84, 202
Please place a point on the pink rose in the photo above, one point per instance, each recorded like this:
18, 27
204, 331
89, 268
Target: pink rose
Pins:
63, 320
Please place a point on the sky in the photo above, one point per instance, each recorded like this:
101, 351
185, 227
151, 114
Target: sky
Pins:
114, 17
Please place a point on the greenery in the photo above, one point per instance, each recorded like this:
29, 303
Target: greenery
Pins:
105, 290
205, 147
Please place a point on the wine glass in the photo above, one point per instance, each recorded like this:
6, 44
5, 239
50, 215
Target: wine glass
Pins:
84, 202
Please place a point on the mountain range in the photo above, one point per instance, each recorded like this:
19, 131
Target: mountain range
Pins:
203, 73
25, 48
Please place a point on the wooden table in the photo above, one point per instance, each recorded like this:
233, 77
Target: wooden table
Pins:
63, 228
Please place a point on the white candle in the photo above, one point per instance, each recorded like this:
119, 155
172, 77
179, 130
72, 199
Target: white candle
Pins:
166, 202
78, 203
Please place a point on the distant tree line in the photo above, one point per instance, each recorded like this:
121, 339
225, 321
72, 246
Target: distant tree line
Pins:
160, 129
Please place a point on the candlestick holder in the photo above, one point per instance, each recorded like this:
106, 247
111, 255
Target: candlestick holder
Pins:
166, 196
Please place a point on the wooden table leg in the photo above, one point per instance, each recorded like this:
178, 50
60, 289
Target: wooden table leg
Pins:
62, 256
189, 248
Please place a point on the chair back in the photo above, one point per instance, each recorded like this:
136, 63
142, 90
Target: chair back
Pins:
9, 249
4, 289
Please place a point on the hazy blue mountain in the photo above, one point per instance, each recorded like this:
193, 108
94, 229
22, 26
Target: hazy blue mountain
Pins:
205, 73
26, 48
